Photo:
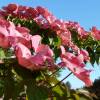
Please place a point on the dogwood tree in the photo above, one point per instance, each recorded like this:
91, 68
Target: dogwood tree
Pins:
31, 42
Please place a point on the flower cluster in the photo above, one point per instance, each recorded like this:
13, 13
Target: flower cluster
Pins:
29, 49
76, 65
21, 41
95, 33
46, 20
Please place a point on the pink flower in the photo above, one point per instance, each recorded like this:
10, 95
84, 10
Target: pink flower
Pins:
76, 27
47, 54
95, 33
23, 30
25, 37
21, 8
36, 61
85, 55
63, 51
43, 56
9, 35
26, 59
84, 76
4, 40
35, 41
76, 65
32, 12
46, 14
11, 7
23, 54
65, 37
44, 50
43, 11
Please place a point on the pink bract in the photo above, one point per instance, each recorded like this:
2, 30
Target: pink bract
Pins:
10, 7
95, 33
76, 65
23, 54
10, 35
36, 61
45, 50
36, 39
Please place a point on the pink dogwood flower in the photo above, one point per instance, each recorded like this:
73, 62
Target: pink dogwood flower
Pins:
95, 33
9, 34
36, 39
76, 65
23, 54
36, 61
4, 41
85, 55
26, 59
10, 7
44, 50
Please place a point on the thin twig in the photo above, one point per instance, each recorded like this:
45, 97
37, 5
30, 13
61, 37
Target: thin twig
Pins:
62, 80
55, 71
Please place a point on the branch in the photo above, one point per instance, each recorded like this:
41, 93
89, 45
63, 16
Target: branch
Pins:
56, 71
62, 80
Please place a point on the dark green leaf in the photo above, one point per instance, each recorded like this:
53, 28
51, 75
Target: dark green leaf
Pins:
18, 90
8, 86
92, 55
25, 73
57, 52
36, 92
57, 41
1, 87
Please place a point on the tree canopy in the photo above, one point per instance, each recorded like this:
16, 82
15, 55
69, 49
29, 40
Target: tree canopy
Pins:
31, 42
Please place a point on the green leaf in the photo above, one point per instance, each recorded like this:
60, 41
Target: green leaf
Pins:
35, 92
76, 96
92, 55
45, 40
57, 41
8, 86
97, 55
18, 90
2, 54
57, 52
97, 58
57, 96
1, 87
58, 90
75, 38
25, 73
12, 88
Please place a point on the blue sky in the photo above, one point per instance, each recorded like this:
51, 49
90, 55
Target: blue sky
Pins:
86, 12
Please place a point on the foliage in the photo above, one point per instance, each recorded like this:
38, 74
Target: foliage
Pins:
31, 42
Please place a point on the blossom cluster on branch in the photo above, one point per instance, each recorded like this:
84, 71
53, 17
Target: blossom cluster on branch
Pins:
30, 50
